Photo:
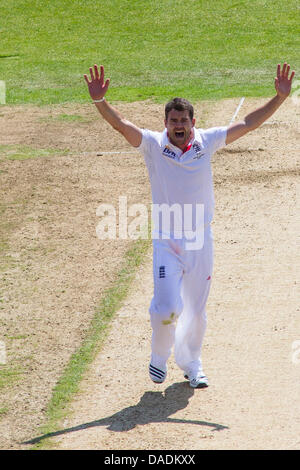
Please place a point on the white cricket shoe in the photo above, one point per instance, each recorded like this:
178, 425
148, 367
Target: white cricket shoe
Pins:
198, 380
157, 375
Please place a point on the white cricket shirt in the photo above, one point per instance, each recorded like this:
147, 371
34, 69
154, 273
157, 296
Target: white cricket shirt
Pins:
181, 181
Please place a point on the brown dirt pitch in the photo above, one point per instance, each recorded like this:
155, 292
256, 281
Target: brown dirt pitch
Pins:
54, 270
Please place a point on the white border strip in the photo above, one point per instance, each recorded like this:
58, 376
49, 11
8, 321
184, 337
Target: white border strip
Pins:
2, 92
237, 110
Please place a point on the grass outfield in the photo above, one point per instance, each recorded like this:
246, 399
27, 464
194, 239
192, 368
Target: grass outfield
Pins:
150, 48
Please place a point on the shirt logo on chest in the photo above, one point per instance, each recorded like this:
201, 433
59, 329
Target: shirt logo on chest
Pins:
198, 150
168, 152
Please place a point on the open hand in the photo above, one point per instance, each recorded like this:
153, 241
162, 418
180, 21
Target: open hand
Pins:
283, 83
97, 86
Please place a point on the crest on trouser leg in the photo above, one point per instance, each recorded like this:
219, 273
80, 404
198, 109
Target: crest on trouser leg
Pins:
162, 272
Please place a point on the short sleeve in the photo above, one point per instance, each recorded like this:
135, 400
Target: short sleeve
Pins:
147, 139
150, 147
215, 138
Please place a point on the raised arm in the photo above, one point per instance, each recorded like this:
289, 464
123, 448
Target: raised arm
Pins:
283, 84
97, 89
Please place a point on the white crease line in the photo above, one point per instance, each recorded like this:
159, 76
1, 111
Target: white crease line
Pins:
110, 153
97, 153
237, 110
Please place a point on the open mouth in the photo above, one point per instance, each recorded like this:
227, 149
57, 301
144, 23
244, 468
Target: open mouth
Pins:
179, 134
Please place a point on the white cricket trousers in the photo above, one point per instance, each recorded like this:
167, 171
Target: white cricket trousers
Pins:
182, 280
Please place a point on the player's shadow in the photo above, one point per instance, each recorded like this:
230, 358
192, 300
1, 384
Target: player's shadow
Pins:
153, 407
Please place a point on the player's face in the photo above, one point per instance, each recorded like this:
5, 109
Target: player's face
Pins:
179, 126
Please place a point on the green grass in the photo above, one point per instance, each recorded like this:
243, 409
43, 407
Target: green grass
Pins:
67, 118
71, 118
150, 48
9, 375
68, 384
23, 152
3, 411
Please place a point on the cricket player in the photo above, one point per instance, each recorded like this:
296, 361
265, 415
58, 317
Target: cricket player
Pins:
178, 161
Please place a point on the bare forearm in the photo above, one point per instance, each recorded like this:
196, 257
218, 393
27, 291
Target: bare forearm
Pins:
110, 114
260, 115
131, 133
254, 119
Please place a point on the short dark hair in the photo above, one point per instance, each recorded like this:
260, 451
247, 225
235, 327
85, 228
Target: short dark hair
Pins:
180, 104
